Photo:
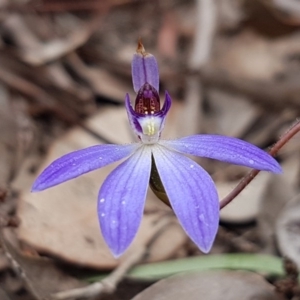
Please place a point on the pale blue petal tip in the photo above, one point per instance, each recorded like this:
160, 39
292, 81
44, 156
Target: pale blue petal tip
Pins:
117, 254
204, 249
35, 188
277, 168
41, 184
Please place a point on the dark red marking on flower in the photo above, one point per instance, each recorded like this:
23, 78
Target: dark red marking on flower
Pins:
147, 100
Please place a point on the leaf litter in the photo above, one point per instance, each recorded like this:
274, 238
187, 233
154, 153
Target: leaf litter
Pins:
65, 68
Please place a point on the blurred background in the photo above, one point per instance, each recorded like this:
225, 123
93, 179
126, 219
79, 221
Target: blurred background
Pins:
232, 67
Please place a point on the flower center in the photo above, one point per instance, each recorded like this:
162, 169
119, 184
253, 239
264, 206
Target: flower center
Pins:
147, 100
147, 104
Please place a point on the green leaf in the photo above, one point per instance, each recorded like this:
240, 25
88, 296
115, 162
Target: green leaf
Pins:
265, 264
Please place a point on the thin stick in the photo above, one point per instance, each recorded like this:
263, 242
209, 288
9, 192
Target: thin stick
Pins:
6, 221
18, 268
251, 175
109, 284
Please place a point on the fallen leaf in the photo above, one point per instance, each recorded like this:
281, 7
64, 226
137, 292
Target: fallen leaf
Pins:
211, 285
227, 107
245, 207
40, 274
288, 229
279, 191
8, 138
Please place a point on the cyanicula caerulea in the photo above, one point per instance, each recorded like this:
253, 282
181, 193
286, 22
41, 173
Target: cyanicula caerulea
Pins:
190, 189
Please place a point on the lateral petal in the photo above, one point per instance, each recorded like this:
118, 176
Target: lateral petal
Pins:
192, 194
227, 149
80, 162
121, 200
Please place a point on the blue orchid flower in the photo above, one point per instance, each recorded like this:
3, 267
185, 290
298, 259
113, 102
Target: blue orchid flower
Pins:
189, 188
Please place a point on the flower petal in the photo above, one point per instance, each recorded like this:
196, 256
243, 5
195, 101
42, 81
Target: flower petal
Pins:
132, 116
227, 149
79, 162
192, 194
144, 69
166, 107
121, 200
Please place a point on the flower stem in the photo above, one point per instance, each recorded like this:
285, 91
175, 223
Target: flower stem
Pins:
252, 174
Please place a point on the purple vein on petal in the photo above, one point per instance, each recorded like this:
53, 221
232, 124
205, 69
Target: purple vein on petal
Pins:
80, 162
192, 194
121, 200
227, 149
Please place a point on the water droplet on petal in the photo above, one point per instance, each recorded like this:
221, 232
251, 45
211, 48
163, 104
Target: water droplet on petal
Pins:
123, 202
102, 200
251, 161
100, 158
103, 215
192, 166
114, 224
202, 219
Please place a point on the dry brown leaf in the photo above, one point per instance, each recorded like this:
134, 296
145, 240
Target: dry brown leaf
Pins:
3, 295
277, 194
211, 285
40, 274
99, 79
249, 56
245, 207
57, 48
287, 11
231, 114
287, 230
8, 138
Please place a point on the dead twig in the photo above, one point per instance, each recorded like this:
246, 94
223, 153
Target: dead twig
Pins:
109, 284
252, 174
3, 194
287, 11
18, 269
45, 101
57, 48
84, 5
278, 94
11, 221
